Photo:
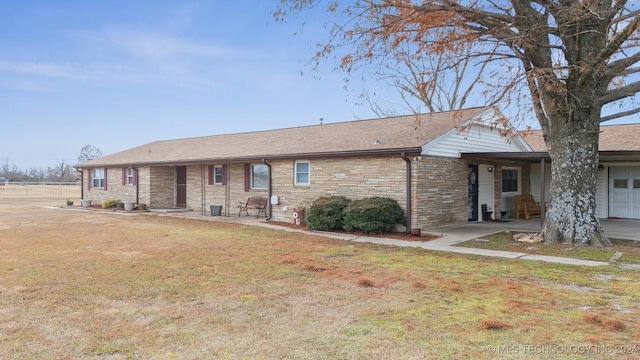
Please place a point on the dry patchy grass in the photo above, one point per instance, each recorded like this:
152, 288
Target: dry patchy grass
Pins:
79, 284
504, 241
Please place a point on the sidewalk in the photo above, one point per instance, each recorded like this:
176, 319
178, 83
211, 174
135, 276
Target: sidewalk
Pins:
450, 236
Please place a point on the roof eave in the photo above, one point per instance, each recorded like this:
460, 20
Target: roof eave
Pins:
242, 159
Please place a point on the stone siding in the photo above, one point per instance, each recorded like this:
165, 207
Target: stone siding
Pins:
439, 186
115, 189
441, 192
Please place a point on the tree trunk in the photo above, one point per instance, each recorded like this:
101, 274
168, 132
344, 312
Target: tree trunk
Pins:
573, 147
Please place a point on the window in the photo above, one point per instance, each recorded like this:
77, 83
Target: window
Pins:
259, 176
128, 176
620, 183
509, 180
218, 175
97, 178
302, 173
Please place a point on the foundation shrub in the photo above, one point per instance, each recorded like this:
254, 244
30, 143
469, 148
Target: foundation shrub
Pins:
109, 203
327, 213
373, 215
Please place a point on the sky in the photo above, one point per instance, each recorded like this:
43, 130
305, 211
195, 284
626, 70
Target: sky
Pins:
122, 73
118, 74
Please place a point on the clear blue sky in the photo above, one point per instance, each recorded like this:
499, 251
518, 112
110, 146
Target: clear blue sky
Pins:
121, 73
118, 74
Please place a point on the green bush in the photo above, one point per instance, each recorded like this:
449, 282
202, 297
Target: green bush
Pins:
326, 213
373, 215
109, 203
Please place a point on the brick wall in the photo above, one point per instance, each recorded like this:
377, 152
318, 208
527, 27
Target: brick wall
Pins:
115, 189
441, 192
439, 186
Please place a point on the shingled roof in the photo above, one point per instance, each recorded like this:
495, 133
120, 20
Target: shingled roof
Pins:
612, 138
378, 136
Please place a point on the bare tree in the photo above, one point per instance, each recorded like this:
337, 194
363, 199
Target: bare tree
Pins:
577, 59
9, 171
89, 152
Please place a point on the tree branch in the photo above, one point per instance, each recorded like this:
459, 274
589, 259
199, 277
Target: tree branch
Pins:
620, 93
619, 115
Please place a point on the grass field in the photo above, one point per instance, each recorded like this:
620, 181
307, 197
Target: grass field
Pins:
87, 285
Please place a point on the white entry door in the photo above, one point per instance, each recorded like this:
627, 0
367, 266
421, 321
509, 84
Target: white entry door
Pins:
624, 192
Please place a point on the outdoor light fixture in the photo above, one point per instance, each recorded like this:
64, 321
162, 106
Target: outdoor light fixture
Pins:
490, 169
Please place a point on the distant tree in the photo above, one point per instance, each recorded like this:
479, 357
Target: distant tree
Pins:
577, 59
10, 171
89, 152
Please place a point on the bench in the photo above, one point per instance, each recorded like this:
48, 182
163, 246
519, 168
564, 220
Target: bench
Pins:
527, 205
258, 202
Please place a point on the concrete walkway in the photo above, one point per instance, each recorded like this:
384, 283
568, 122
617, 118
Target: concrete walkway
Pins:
450, 236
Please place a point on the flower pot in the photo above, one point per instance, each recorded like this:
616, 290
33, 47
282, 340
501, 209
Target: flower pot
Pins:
129, 206
142, 206
86, 203
415, 232
69, 203
120, 205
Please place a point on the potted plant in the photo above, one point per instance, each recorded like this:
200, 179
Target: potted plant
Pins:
120, 205
69, 203
86, 202
142, 206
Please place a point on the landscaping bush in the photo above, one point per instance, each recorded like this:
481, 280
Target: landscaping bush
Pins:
373, 215
326, 213
109, 203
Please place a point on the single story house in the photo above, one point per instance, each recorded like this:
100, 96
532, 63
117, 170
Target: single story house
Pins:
440, 167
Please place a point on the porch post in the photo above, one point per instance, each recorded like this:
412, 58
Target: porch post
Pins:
543, 203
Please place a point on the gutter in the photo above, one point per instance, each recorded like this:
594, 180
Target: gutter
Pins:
408, 181
243, 159
264, 161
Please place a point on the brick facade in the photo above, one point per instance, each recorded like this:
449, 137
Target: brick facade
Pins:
439, 186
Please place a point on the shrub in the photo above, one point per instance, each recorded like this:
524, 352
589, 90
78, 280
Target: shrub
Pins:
373, 215
109, 203
326, 213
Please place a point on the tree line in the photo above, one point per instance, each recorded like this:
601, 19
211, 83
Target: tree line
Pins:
59, 172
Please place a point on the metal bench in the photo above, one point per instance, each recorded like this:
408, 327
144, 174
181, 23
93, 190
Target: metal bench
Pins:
257, 202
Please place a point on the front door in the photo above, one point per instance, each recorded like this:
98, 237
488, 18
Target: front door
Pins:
181, 186
624, 192
472, 206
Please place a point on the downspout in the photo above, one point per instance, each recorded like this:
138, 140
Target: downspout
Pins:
408, 161
81, 183
264, 161
137, 184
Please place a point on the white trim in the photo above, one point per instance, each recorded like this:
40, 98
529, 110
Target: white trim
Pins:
295, 173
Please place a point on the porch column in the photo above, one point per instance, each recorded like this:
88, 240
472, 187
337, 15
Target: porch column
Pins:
543, 203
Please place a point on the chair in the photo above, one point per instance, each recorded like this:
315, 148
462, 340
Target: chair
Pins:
527, 205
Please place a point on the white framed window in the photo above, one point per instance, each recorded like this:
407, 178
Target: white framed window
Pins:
97, 178
128, 176
218, 174
302, 173
259, 176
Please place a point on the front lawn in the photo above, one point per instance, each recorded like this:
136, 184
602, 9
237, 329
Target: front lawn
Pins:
87, 285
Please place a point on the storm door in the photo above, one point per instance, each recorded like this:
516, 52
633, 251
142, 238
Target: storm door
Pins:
472, 206
181, 186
